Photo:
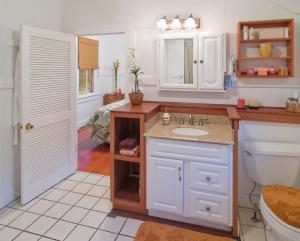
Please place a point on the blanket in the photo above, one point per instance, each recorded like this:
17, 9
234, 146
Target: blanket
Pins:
99, 122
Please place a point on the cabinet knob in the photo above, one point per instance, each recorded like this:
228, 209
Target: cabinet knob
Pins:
208, 179
207, 209
201, 61
195, 61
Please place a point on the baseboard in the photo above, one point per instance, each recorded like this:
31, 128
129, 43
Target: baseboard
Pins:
7, 198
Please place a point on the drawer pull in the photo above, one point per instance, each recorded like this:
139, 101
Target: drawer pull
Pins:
179, 173
207, 209
208, 179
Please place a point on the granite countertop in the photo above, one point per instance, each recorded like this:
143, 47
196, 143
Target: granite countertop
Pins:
218, 128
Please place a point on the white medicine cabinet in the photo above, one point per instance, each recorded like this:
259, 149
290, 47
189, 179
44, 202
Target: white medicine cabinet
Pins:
192, 61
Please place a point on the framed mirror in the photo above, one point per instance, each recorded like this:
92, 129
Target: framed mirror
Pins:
178, 61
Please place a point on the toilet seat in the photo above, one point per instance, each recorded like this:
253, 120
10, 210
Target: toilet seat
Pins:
276, 224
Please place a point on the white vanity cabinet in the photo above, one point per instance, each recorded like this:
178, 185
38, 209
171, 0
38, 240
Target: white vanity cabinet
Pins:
190, 181
167, 184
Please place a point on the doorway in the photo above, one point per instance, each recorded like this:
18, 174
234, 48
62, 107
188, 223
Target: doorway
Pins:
92, 113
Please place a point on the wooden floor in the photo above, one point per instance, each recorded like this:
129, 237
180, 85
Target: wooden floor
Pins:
92, 156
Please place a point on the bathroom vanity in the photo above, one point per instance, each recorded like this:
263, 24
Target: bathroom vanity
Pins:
189, 175
184, 172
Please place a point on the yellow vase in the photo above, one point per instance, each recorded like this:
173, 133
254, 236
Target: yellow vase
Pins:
265, 50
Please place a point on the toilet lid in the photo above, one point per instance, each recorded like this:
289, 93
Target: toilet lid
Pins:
284, 203
273, 148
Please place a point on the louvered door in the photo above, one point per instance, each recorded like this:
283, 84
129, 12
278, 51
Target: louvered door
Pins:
48, 136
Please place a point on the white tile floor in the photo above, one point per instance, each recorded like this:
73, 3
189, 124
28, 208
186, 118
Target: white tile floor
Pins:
79, 208
249, 230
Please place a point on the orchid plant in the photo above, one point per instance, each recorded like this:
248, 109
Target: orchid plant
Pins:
135, 70
116, 68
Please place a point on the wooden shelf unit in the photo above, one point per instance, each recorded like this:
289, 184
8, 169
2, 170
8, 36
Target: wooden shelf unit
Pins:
128, 190
273, 61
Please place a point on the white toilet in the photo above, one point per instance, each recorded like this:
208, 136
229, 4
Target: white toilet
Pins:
274, 163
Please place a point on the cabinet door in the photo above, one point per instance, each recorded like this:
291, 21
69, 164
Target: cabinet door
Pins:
165, 179
212, 61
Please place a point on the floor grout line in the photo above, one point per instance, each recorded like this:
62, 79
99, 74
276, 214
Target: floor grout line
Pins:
11, 205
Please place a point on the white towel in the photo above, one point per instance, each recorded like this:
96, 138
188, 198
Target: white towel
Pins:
17, 101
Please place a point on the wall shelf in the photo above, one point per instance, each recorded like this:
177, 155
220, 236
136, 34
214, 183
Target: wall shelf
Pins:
266, 58
270, 31
128, 173
127, 158
266, 40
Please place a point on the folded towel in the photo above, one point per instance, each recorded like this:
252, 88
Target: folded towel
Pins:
128, 143
131, 152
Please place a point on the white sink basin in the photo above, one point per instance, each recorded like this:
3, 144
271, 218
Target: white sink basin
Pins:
187, 131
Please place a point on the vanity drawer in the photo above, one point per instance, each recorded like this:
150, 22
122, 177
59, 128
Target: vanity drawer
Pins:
210, 207
207, 177
190, 151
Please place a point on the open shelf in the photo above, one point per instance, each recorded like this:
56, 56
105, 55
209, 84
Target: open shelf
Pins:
259, 76
266, 58
266, 40
127, 158
127, 180
129, 190
269, 31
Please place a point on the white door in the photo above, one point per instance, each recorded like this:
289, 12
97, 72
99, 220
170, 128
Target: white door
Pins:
166, 185
48, 136
212, 61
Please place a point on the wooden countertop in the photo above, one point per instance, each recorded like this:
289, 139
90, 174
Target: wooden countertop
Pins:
265, 114
144, 108
270, 114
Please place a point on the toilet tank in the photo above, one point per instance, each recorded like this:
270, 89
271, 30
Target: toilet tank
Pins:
272, 163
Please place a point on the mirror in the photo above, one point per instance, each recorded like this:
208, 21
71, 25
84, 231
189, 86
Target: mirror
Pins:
178, 68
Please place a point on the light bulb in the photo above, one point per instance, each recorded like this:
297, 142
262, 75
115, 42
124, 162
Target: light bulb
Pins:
176, 24
190, 23
162, 23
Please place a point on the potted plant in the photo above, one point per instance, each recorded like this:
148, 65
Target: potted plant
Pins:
136, 96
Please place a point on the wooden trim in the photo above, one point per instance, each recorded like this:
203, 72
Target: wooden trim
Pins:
112, 157
235, 180
270, 114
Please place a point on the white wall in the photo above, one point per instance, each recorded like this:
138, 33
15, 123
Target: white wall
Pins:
45, 14
137, 19
112, 47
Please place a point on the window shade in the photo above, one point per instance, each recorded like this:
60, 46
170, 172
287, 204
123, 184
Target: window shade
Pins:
88, 53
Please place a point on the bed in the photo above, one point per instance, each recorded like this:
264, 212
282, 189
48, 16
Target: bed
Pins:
99, 122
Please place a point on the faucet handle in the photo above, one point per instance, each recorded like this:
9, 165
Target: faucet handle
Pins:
201, 120
191, 120
181, 120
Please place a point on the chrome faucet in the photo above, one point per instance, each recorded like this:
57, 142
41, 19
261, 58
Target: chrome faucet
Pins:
201, 120
191, 120
181, 120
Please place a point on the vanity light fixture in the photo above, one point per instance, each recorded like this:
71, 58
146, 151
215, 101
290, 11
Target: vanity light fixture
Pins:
162, 23
190, 23
176, 24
